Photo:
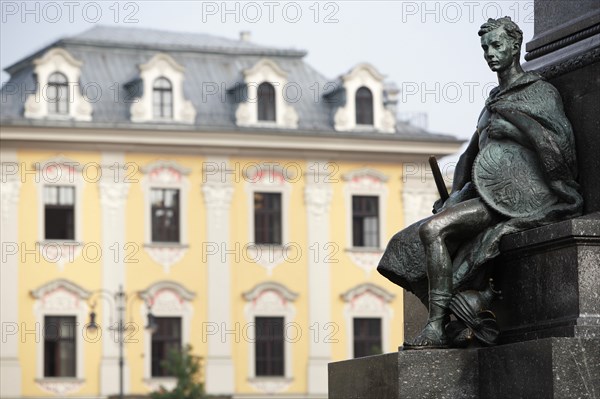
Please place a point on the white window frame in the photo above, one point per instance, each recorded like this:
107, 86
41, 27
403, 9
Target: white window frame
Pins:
367, 300
168, 175
61, 298
167, 299
58, 60
60, 171
269, 299
268, 178
162, 65
365, 182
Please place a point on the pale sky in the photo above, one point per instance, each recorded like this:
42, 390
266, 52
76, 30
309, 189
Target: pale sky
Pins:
430, 49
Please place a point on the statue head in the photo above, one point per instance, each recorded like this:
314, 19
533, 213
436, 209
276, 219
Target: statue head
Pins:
501, 41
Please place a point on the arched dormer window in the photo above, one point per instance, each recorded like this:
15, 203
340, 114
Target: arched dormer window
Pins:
266, 102
58, 94
364, 106
162, 98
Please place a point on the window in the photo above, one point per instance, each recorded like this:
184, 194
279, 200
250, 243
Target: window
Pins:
166, 338
267, 218
58, 94
59, 212
269, 346
59, 346
266, 102
162, 99
165, 214
367, 337
365, 221
364, 106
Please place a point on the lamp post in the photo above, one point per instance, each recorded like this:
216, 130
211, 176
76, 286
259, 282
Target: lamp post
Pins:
121, 301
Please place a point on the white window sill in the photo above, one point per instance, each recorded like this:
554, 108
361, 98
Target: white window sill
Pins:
155, 383
174, 245
72, 243
61, 379
364, 249
270, 378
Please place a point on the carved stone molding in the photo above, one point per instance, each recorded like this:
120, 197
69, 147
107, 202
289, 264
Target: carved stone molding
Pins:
564, 42
270, 386
367, 260
570, 64
156, 383
365, 178
50, 288
166, 255
164, 171
318, 199
151, 293
261, 288
113, 195
217, 196
11, 188
369, 288
60, 252
60, 387
267, 256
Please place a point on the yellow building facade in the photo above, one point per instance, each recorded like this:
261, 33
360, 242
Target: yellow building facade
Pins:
248, 229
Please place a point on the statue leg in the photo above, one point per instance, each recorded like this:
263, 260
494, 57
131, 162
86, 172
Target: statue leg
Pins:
464, 219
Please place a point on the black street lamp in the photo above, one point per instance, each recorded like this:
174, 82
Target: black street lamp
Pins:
121, 301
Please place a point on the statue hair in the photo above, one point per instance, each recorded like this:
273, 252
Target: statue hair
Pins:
511, 29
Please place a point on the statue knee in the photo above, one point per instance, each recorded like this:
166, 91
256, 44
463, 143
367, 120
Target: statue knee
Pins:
429, 232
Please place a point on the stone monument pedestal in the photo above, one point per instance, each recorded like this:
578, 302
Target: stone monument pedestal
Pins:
559, 368
550, 331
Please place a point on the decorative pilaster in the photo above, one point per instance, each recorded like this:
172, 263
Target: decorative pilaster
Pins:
418, 196
113, 192
317, 197
10, 368
217, 191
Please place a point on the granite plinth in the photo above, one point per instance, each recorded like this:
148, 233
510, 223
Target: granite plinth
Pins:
553, 368
550, 279
415, 314
558, 368
435, 374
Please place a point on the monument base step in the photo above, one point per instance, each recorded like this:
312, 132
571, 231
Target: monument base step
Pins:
552, 368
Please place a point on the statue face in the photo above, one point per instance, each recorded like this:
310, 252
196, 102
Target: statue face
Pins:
499, 49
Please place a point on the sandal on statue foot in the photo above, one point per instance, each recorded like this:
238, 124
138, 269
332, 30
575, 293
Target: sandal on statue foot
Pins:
428, 339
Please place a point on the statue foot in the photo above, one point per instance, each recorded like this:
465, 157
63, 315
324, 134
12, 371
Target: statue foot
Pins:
430, 338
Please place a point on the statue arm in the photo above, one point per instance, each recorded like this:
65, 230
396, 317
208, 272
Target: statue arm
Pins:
464, 167
461, 189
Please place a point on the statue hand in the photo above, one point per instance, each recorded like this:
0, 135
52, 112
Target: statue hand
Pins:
437, 206
500, 128
467, 192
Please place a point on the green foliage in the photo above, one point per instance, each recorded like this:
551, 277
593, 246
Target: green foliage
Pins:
185, 367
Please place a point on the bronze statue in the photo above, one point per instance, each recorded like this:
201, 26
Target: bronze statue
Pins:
518, 172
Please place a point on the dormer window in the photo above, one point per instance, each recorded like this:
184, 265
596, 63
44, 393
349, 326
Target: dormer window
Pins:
364, 106
266, 102
368, 105
58, 94
162, 98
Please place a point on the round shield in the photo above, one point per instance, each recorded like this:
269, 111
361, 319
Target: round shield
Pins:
509, 179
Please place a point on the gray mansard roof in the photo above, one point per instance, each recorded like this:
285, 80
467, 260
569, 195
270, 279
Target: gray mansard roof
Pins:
111, 57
